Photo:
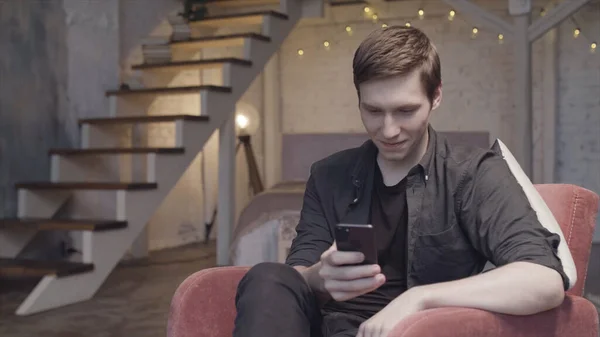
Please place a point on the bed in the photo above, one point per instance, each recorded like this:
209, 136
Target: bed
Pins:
266, 226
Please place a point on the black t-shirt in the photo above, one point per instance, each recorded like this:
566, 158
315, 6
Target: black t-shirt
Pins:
389, 218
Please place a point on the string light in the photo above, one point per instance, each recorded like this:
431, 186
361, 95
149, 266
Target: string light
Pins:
326, 44
407, 24
500, 38
300, 52
593, 47
367, 9
474, 32
384, 25
451, 15
349, 30
421, 14
576, 32
374, 17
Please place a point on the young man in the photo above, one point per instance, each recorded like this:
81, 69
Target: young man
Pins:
439, 212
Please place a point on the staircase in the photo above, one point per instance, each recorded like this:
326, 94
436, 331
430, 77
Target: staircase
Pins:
106, 241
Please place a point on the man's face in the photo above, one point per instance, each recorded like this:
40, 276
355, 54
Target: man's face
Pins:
395, 112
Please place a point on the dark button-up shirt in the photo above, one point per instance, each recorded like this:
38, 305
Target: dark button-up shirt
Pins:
465, 208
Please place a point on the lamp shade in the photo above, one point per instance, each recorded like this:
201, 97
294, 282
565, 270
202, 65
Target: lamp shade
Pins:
247, 119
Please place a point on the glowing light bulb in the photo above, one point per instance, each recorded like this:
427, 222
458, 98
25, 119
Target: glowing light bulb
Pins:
474, 32
367, 9
593, 47
384, 25
375, 17
407, 24
421, 13
300, 52
451, 15
326, 44
242, 121
349, 30
576, 32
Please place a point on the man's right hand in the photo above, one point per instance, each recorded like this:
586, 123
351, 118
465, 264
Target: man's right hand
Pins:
344, 280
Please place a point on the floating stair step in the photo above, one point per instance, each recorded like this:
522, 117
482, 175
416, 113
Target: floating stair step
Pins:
167, 91
35, 268
218, 41
241, 3
250, 18
85, 186
141, 119
131, 150
63, 224
192, 65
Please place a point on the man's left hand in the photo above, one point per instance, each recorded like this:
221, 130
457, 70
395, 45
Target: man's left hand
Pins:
382, 323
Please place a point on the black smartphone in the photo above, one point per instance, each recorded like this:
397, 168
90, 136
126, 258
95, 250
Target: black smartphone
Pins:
357, 238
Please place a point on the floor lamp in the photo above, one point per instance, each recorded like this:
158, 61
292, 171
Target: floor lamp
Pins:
247, 121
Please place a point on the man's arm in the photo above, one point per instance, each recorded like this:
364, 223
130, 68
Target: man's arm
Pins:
519, 288
313, 237
501, 225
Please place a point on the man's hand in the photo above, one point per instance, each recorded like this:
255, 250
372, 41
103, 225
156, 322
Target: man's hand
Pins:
343, 280
382, 323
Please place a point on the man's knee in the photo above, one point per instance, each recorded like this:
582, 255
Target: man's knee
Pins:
269, 275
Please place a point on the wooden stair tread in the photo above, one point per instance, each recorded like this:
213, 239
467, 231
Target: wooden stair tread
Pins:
63, 224
39, 268
127, 150
222, 37
142, 119
85, 186
193, 63
168, 91
249, 17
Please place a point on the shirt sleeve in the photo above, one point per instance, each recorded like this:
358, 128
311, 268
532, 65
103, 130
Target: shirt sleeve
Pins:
499, 219
313, 236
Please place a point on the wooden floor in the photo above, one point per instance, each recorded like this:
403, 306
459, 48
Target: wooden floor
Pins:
133, 302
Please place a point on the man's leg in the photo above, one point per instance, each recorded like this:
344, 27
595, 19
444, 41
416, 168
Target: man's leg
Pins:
273, 300
341, 325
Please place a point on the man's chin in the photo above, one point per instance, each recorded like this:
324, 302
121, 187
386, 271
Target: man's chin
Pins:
393, 155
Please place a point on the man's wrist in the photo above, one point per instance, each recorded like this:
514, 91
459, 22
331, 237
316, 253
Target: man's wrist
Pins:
425, 296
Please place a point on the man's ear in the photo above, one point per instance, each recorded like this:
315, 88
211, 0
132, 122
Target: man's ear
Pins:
437, 100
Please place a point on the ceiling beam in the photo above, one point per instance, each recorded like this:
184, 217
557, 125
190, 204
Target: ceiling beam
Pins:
555, 16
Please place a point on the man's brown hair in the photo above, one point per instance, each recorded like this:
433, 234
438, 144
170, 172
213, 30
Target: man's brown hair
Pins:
397, 50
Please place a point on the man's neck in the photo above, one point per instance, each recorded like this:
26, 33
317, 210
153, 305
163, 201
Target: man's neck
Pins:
393, 171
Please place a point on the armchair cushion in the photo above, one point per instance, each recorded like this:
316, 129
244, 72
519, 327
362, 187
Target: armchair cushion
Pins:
575, 317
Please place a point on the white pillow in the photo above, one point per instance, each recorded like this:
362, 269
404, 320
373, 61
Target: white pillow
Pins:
543, 212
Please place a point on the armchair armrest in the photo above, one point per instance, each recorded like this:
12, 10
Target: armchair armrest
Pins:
575, 317
204, 303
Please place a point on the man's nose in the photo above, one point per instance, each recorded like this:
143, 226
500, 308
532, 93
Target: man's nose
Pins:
390, 128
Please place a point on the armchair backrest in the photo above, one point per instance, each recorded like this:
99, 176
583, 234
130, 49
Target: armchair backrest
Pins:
575, 208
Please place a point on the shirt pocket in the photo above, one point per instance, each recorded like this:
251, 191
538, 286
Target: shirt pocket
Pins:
443, 256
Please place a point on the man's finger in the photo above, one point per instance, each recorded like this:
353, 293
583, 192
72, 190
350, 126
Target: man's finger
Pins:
337, 258
364, 284
354, 272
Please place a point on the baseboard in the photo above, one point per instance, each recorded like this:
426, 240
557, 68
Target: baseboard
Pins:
158, 244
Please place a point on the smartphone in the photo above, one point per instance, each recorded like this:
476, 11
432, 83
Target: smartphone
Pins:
357, 238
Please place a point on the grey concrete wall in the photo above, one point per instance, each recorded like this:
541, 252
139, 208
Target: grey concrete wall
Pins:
33, 86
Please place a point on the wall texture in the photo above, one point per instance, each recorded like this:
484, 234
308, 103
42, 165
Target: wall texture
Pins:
33, 93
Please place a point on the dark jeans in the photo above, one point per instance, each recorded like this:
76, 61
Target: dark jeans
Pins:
273, 300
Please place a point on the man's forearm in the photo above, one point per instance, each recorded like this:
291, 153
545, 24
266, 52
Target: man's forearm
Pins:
519, 288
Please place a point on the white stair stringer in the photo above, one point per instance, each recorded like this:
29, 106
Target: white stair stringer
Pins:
106, 249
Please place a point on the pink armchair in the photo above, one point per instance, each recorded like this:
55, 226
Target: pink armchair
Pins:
203, 305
